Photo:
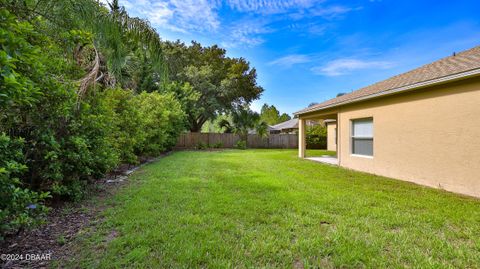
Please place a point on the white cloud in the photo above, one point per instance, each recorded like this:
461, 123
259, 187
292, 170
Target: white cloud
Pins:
195, 14
323, 11
246, 33
344, 66
290, 60
317, 29
159, 13
270, 7
177, 15
309, 29
193, 17
330, 12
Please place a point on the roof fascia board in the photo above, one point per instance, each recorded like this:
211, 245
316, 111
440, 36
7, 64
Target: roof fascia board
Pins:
418, 85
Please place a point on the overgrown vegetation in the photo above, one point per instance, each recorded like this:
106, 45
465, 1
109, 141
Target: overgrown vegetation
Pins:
316, 136
85, 87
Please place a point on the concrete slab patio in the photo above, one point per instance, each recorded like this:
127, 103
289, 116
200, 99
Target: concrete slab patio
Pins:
324, 159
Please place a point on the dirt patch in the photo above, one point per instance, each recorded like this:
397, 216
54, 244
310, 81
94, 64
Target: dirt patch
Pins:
298, 264
54, 240
113, 234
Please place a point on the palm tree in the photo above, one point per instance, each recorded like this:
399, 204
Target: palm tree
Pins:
244, 120
115, 36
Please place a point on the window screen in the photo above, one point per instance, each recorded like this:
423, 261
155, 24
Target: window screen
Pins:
362, 137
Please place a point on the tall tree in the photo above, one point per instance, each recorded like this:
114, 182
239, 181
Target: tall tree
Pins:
284, 117
221, 83
271, 115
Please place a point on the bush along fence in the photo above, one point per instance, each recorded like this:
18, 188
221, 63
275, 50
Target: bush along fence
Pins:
227, 140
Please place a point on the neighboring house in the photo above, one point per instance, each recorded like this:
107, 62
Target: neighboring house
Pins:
290, 126
421, 126
270, 129
286, 127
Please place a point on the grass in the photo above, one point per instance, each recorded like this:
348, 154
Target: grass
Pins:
269, 209
319, 153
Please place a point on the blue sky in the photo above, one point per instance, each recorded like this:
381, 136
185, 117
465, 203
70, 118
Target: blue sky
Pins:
308, 51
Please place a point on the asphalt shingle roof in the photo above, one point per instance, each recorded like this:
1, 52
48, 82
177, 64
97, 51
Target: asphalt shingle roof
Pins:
289, 124
459, 63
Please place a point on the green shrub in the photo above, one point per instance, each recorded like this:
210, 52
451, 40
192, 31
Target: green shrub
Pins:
53, 141
202, 145
143, 124
241, 144
127, 134
19, 206
217, 145
91, 140
316, 137
163, 120
63, 146
68, 147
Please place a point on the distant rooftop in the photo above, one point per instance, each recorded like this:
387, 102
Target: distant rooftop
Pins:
289, 124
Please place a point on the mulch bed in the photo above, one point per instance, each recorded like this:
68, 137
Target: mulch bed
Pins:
64, 221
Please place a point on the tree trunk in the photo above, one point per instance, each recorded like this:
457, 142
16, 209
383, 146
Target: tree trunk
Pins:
196, 125
195, 128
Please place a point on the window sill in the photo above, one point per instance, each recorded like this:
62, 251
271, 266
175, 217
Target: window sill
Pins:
361, 156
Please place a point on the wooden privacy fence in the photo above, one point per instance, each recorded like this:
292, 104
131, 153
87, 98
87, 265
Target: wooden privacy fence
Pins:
193, 140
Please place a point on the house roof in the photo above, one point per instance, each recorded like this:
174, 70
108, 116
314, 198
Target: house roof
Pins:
457, 66
253, 131
289, 124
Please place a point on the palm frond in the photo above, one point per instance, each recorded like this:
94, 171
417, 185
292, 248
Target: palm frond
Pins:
226, 125
262, 129
115, 33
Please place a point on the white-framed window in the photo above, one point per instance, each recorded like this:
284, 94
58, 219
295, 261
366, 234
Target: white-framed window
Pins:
362, 137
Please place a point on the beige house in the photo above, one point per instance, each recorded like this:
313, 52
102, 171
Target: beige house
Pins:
331, 134
422, 126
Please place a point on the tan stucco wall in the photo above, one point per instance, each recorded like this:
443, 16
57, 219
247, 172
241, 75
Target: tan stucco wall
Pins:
430, 137
331, 144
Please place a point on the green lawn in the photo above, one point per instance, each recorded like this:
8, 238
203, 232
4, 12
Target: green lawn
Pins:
269, 209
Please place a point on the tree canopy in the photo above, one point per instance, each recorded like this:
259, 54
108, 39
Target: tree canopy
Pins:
271, 115
221, 83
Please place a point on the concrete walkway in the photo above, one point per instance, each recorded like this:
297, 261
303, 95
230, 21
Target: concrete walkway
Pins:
324, 159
